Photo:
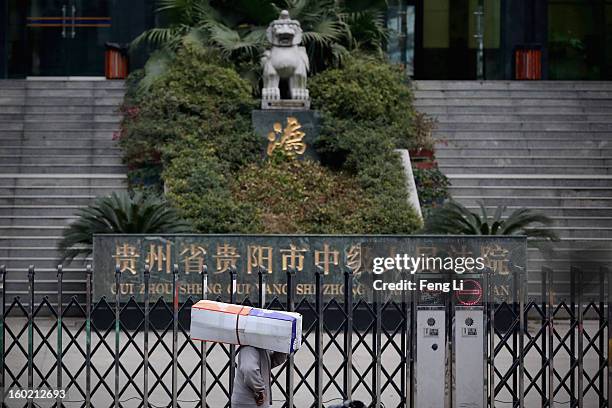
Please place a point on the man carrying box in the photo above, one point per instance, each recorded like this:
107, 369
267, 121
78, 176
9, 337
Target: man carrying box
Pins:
253, 379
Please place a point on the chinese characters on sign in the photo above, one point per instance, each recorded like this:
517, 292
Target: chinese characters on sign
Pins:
290, 139
273, 255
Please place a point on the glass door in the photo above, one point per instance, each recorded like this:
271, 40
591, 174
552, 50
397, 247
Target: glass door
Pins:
47, 24
91, 29
67, 37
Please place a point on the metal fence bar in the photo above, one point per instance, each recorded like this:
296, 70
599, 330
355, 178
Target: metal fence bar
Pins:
412, 343
572, 339
117, 330
232, 367
2, 335
579, 274
262, 287
290, 362
602, 323
608, 273
88, 275
203, 345
377, 337
491, 359
31, 335
60, 273
175, 310
348, 334
145, 369
319, 336
544, 342
550, 316
521, 337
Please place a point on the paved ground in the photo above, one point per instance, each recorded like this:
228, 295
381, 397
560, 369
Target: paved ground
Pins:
160, 362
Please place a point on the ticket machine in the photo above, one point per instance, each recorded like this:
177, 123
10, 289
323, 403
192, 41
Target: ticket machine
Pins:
469, 345
430, 364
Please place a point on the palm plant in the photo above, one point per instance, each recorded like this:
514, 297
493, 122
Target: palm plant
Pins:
119, 213
237, 28
454, 218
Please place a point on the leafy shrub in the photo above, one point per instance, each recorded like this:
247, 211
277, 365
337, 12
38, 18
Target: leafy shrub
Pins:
192, 130
432, 186
292, 196
195, 103
364, 89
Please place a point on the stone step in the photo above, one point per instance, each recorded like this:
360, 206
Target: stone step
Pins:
532, 191
24, 252
20, 230
494, 151
436, 110
40, 263
502, 117
71, 117
525, 126
70, 109
549, 210
510, 102
60, 134
59, 150
19, 209
65, 190
42, 200
505, 85
33, 220
488, 134
535, 201
89, 143
512, 144
111, 125
533, 94
61, 159
50, 179
75, 93
78, 84
33, 240
523, 169
554, 181
64, 168
533, 161
33, 100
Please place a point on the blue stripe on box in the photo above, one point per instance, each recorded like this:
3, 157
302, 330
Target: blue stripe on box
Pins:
271, 315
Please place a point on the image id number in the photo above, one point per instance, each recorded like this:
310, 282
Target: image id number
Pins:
41, 394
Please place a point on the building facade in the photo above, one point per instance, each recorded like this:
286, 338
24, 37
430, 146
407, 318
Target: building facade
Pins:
435, 39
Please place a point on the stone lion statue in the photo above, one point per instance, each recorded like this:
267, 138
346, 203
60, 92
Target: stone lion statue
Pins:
285, 60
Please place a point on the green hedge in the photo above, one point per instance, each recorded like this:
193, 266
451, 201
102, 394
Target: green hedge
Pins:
189, 134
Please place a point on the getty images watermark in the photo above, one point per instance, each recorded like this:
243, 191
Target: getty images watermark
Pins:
412, 265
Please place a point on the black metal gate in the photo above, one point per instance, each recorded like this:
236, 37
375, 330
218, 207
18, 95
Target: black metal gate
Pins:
131, 354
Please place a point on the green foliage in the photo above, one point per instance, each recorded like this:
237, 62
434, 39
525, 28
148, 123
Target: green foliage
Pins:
292, 196
119, 213
190, 132
454, 218
195, 103
236, 28
364, 89
198, 184
432, 186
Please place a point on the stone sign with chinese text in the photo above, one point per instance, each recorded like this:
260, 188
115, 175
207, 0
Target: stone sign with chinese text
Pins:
504, 258
291, 131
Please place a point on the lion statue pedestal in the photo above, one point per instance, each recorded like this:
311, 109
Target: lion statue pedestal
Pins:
285, 61
289, 125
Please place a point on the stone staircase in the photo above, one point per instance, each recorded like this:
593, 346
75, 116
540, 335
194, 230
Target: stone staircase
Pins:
541, 145
56, 155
